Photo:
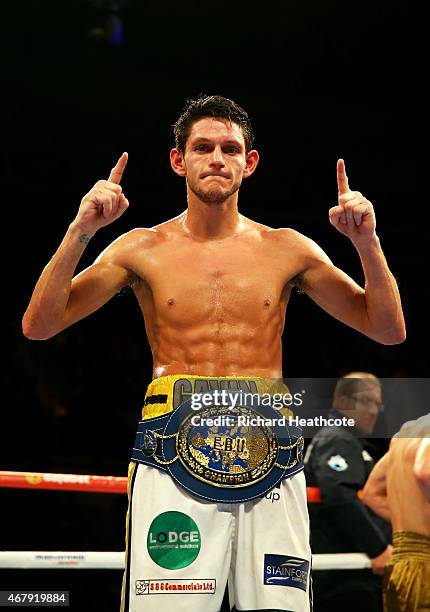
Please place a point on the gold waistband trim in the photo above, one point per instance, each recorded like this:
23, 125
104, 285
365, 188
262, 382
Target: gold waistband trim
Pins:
166, 393
411, 545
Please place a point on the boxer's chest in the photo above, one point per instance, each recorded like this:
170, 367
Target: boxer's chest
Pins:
223, 282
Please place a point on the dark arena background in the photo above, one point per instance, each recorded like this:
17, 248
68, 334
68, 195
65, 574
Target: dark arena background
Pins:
83, 81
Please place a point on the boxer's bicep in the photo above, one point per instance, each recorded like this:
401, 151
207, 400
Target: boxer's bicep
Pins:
336, 293
114, 269
327, 285
92, 288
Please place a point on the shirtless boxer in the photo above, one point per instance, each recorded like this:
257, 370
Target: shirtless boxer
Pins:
399, 490
213, 287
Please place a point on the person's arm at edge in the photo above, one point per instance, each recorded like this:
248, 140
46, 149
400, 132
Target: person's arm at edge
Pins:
422, 463
58, 300
339, 493
375, 490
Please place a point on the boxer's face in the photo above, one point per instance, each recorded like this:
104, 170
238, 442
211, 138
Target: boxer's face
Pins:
215, 161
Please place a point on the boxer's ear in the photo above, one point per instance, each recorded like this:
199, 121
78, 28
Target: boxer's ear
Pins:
177, 162
252, 159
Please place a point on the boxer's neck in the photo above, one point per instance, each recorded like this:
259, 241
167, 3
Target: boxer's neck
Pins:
213, 222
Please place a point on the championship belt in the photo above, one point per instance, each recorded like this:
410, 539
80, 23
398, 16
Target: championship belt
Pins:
227, 454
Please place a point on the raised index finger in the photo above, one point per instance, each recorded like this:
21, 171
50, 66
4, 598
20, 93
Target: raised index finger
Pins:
342, 179
115, 175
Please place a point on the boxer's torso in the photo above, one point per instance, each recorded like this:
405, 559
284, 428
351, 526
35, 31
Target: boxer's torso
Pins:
216, 307
409, 502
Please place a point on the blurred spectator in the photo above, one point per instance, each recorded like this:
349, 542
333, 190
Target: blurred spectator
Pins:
338, 464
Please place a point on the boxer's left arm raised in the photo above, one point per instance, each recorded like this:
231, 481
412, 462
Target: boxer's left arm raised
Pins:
374, 310
58, 299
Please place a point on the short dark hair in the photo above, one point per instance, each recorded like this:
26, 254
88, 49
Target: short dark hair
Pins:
211, 106
351, 383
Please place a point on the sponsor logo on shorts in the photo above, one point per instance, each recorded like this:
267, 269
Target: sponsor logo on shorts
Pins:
284, 570
273, 496
173, 540
160, 586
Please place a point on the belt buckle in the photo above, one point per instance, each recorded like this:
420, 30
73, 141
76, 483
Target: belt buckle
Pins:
221, 450
229, 453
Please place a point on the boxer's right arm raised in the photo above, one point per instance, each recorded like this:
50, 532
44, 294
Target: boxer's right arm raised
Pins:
58, 299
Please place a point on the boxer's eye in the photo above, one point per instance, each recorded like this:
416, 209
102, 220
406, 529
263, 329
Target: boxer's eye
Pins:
231, 149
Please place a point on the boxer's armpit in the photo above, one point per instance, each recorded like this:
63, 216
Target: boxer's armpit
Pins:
298, 283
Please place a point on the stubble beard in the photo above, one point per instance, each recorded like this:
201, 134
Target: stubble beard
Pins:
214, 197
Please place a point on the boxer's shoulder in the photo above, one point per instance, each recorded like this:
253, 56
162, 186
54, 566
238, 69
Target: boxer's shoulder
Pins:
139, 236
294, 243
418, 428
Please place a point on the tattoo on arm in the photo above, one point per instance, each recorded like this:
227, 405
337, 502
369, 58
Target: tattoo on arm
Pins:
84, 238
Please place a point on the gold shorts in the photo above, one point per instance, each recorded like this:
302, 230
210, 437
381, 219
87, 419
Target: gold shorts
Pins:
407, 575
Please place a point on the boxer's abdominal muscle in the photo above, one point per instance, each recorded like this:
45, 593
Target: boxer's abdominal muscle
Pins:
214, 314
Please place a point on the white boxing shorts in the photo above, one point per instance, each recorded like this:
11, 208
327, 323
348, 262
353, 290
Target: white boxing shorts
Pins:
181, 550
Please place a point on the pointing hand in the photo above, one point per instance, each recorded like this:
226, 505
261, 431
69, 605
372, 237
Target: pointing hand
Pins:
354, 215
105, 202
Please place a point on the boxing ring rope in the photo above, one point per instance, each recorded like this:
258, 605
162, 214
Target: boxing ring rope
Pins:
30, 559
115, 560
63, 482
